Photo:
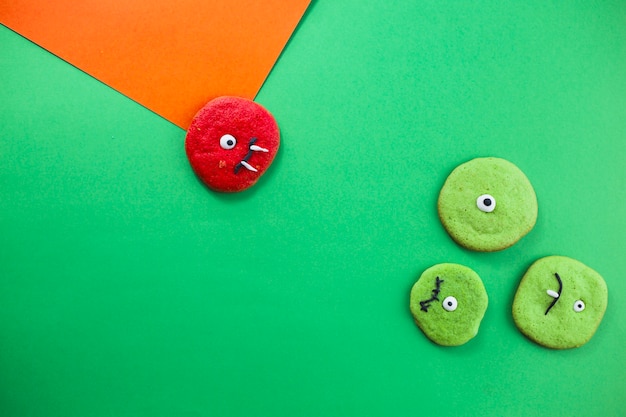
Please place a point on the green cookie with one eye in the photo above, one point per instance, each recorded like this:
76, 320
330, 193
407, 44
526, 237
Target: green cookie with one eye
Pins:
448, 302
560, 302
487, 204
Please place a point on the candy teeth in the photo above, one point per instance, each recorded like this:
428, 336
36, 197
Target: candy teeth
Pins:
553, 294
248, 166
257, 148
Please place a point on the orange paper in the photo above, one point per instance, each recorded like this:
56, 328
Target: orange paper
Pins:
170, 56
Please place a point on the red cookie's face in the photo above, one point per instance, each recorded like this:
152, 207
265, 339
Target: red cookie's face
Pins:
231, 142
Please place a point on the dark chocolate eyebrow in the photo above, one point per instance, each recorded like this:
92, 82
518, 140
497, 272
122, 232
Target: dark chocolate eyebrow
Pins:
558, 278
424, 304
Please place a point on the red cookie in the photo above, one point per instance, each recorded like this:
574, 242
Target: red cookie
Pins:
231, 142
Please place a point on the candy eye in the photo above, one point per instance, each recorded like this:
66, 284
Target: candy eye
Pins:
228, 142
486, 203
450, 303
579, 306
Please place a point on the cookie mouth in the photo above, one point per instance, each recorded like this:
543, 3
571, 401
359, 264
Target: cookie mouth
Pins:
252, 148
424, 304
554, 294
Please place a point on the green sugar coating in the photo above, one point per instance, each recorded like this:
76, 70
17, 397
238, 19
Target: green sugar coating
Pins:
562, 327
448, 328
515, 210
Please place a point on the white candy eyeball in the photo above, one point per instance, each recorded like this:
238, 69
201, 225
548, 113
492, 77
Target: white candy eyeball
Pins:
486, 203
228, 141
450, 303
579, 306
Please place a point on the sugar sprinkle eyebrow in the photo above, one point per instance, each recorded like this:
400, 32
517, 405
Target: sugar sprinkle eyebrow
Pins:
426, 303
558, 278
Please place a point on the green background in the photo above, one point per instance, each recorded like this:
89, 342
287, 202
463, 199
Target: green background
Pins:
127, 288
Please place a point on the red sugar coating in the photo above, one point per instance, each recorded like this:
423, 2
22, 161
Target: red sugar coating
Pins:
257, 141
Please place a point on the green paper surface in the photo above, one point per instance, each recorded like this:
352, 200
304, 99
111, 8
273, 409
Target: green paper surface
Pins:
127, 288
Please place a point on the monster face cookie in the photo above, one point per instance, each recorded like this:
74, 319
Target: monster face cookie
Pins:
448, 303
487, 204
231, 142
560, 302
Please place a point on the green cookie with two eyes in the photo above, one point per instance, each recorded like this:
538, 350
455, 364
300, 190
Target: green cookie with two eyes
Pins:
560, 302
487, 204
448, 302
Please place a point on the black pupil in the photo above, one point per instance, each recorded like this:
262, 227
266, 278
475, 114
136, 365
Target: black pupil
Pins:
450, 303
487, 202
229, 142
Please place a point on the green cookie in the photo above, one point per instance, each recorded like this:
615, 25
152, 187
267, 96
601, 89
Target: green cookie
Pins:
560, 302
448, 303
487, 204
